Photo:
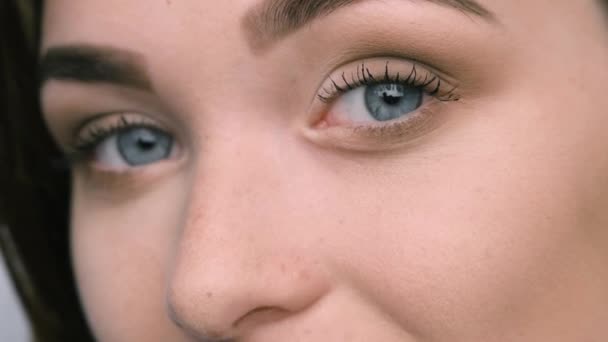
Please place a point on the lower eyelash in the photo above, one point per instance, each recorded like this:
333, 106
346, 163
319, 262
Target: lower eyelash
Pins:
363, 77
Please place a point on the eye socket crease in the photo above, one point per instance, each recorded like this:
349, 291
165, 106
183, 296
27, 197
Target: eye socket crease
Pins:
272, 20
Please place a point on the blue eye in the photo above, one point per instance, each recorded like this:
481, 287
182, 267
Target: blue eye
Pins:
140, 145
389, 101
375, 103
370, 97
127, 145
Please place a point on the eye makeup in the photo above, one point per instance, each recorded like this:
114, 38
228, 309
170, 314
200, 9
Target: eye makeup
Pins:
416, 77
345, 94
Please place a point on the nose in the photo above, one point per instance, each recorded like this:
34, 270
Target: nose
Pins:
239, 264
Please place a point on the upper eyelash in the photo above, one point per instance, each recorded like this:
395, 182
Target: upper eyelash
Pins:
364, 77
87, 142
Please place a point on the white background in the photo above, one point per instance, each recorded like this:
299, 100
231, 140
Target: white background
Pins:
13, 325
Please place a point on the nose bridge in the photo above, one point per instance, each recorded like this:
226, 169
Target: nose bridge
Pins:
234, 267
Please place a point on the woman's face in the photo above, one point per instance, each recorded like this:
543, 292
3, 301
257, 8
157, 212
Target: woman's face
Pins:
282, 170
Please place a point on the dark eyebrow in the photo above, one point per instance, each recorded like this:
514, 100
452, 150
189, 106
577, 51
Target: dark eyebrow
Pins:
93, 64
272, 20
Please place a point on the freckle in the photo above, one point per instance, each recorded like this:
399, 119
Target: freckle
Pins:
209, 294
196, 217
283, 268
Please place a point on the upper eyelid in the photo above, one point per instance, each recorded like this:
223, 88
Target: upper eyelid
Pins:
116, 118
332, 88
100, 127
378, 61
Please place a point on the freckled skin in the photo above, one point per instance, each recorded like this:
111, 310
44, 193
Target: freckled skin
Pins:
490, 226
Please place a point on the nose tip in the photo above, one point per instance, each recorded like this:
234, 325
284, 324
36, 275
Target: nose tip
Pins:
229, 302
242, 261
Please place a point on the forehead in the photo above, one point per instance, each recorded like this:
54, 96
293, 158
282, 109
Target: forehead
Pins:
119, 20
133, 22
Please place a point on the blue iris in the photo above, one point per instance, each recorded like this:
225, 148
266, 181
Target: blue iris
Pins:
388, 101
140, 145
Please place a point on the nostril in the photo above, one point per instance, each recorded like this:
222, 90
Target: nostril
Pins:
202, 335
260, 316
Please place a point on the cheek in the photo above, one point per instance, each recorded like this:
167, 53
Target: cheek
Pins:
121, 251
488, 233
480, 231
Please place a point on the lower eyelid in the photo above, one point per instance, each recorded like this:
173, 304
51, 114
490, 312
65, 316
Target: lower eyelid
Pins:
121, 184
404, 125
399, 127
330, 121
112, 185
391, 135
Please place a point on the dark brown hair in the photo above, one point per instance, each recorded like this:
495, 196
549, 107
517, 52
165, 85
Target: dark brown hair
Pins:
34, 188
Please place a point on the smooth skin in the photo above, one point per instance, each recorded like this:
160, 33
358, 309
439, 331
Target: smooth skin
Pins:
278, 218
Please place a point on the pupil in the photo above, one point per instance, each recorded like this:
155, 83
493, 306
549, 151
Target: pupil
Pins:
146, 143
389, 99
